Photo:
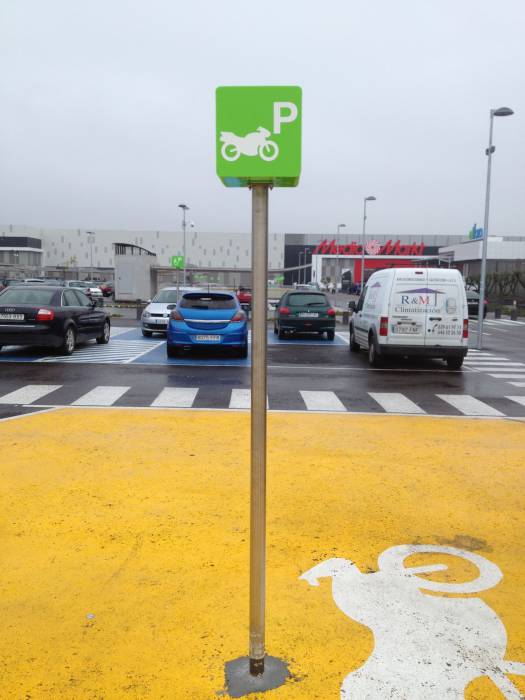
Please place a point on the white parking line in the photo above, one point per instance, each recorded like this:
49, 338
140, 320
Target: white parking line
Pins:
469, 406
517, 399
508, 376
322, 401
101, 396
175, 398
498, 363
29, 393
396, 403
520, 385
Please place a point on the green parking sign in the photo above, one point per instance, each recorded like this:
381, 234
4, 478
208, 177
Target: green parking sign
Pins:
177, 261
258, 135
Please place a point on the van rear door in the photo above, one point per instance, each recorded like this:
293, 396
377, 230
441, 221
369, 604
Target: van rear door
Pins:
408, 305
444, 320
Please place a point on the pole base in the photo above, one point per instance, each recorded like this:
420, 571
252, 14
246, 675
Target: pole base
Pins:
241, 682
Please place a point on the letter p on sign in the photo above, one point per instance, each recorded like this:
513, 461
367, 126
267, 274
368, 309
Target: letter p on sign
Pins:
283, 113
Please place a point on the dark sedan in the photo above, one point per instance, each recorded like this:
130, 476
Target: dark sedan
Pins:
49, 316
304, 312
473, 303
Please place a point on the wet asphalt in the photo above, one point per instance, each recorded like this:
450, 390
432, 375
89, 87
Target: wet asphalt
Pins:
292, 368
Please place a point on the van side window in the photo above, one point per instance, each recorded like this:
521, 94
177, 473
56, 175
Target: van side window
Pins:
361, 300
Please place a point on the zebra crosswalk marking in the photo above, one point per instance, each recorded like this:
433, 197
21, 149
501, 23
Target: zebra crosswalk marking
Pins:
469, 406
322, 401
242, 398
396, 403
101, 396
175, 397
29, 393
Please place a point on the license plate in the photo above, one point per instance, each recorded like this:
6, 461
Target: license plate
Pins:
11, 317
208, 337
405, 328
308, 314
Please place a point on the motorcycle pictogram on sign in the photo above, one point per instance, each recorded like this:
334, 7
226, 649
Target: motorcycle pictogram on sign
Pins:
253, 144
426, 646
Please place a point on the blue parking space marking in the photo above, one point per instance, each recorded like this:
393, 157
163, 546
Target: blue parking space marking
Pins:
129, 346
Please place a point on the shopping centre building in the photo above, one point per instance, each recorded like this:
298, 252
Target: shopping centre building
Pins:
225, 258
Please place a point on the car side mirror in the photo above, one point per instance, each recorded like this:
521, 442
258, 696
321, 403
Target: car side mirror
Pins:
352, 306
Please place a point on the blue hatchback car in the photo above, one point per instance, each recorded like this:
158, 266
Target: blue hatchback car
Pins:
207, 319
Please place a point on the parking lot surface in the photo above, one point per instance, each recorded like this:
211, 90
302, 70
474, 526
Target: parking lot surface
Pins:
305, 374
125, 549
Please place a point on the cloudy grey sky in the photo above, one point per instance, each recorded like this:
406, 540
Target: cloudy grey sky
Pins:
108, 111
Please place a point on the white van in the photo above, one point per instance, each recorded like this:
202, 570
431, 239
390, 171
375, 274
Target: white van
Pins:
412, 312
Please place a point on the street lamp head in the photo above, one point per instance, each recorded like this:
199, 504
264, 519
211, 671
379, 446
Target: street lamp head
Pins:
184, 206
502, 112
341, 225
370, 199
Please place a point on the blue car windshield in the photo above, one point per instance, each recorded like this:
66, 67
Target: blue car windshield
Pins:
207, 301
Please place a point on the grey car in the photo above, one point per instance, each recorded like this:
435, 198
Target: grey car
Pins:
156, 315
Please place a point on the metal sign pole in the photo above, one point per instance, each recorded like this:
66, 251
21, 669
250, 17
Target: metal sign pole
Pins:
258, 428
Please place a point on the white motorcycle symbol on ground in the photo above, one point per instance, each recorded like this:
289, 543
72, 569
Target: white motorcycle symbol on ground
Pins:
427, 647
253, 144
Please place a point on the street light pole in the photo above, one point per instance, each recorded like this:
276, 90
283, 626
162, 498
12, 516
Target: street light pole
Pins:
339, 227
299, 270
184, 208
501, 112
371, 198
91, 240
306, 251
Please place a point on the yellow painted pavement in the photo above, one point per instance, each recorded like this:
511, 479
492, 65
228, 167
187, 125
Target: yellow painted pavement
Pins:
125, 542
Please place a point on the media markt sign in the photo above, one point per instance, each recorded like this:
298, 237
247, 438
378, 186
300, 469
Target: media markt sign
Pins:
258, 136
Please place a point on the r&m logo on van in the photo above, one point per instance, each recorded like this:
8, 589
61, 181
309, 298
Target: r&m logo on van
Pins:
424, 300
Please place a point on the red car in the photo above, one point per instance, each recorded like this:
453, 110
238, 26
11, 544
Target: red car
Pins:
244, 295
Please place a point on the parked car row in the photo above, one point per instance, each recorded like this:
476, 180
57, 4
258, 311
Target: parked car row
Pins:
408, 312
89, 287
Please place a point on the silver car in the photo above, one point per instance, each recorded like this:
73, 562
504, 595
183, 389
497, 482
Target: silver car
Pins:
89, 288
155, 316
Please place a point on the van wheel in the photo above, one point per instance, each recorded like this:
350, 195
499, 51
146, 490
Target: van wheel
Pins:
172, 350
330, 335
454, 362
373, 357
354, 346
280, 334
146, 334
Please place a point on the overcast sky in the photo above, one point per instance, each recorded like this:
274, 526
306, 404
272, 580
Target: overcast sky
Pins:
107, 111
